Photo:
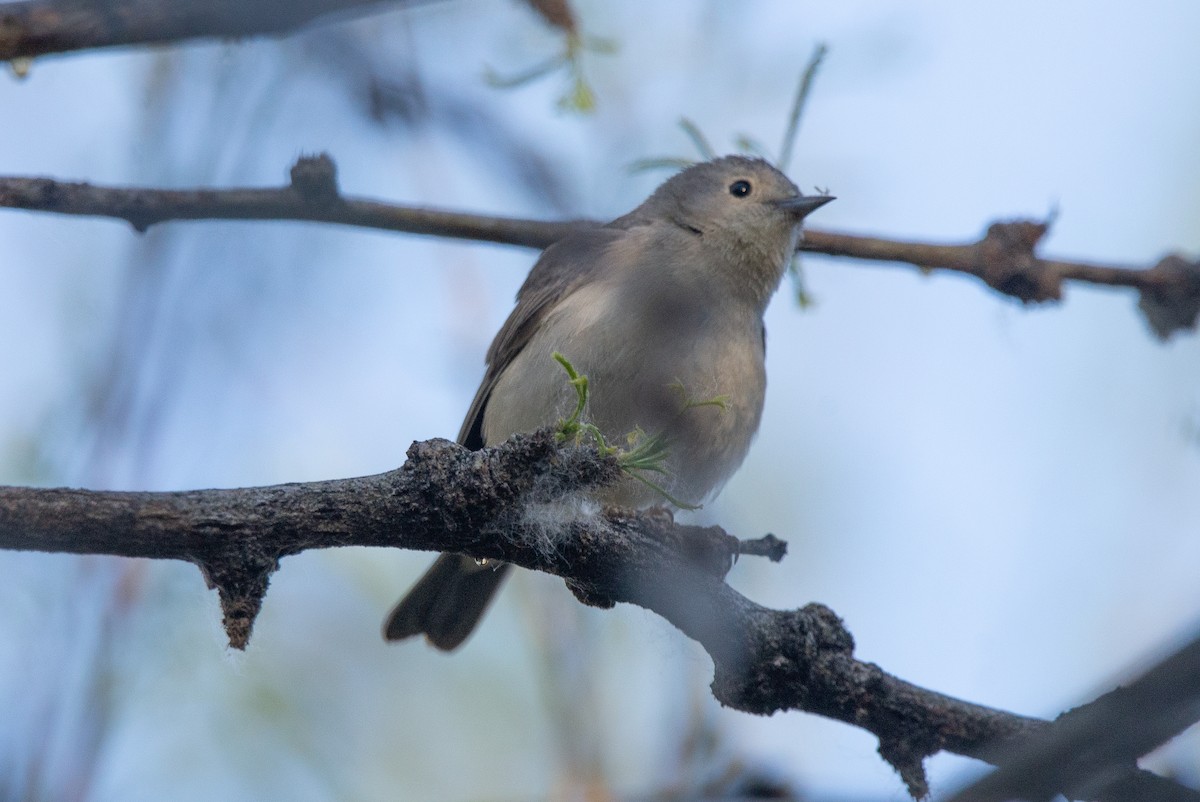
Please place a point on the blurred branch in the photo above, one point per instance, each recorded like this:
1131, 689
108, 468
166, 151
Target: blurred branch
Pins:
446, 498
1005, 258
557, 13
41, 27
1092, 746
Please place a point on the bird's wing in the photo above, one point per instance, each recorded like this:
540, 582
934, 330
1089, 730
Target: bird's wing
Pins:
563, 268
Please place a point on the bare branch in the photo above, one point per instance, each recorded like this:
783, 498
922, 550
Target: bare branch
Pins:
767, 546
237, 537
41, 27
1004, 259
312, 195
446, 498
1087, 747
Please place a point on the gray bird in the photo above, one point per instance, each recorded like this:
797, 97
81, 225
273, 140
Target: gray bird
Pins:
662, 310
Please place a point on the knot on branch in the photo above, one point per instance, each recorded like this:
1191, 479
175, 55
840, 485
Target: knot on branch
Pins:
1170, 296
1005, 259
783, 650
315, 177
241, 582
906, 754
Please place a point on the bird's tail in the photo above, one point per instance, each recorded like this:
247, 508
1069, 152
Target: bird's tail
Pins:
447, 602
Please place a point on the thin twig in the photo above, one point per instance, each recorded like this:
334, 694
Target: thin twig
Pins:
699, 140
312, 196
802, 92
767, 546
1005, 258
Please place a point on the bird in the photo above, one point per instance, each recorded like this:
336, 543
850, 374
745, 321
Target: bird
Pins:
662, 309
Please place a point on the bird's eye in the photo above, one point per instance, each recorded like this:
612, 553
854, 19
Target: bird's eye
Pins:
739, 189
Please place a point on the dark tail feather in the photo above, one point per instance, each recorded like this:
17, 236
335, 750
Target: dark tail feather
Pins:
447, 602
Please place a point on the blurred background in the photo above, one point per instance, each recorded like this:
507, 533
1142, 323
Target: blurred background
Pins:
1002, 502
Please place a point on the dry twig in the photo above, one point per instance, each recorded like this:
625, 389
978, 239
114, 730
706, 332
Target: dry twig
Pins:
1005, 258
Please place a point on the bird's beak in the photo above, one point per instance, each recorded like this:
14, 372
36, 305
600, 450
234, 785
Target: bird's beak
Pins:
803, 205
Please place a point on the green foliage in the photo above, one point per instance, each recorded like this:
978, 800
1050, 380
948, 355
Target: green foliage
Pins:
719, 401
574, 428
646, 454
643, 453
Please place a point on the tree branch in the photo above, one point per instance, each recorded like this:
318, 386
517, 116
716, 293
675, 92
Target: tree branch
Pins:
237, 537
41, 27
1005, 258
1086, 750
446, 498
312, 195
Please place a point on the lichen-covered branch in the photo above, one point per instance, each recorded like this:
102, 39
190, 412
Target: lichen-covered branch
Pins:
447, 498
40, 27
1005, 258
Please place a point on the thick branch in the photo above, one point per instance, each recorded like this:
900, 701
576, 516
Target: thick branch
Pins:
1169, 292
446, 498
237, 537
40, 27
